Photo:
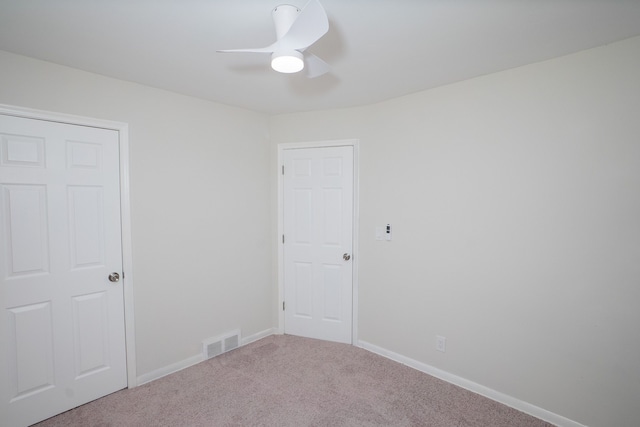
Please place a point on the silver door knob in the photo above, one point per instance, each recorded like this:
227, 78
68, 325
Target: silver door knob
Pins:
346, 257
114, 277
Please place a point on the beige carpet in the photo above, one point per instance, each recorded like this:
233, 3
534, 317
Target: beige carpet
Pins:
293, 381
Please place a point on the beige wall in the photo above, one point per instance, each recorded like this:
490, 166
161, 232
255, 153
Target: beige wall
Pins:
199, 203
514, 199
515, 204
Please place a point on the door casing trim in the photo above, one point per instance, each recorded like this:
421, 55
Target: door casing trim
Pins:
355, 143
125, 212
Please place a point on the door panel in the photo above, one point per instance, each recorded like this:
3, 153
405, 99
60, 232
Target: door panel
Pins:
30, 332
91, 341
303, 290
86, 226
61, 319
21, 150
25, 219
318, 228
332, 302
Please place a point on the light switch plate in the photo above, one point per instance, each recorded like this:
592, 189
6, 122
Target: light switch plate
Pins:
380, 233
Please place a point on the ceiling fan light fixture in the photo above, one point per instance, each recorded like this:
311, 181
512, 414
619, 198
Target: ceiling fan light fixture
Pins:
296, 30
287, 62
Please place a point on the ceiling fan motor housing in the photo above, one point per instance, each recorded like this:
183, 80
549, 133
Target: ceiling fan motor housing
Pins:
283, 18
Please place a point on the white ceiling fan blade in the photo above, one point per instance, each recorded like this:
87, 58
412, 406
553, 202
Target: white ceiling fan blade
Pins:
314, 66
311, 24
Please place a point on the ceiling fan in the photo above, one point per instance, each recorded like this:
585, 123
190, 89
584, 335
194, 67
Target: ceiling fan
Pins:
296, 30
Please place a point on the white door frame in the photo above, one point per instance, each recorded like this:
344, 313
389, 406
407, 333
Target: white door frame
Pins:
354, 253
125, 212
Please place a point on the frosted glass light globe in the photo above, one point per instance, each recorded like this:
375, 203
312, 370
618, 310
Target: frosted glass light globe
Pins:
287, 62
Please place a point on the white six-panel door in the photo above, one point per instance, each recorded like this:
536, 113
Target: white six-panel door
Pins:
318, 241
62, 319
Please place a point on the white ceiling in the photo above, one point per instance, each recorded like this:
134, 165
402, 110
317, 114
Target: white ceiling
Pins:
378, 49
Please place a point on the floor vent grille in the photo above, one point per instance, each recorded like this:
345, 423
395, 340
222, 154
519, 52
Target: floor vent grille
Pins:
231, 342
213, 347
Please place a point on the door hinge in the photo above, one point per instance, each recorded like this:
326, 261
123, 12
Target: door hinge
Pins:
282, 169
283, 239
282, 305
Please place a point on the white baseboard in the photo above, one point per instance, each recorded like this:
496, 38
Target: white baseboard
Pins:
259, 336
170, 369
518, 404
194, 360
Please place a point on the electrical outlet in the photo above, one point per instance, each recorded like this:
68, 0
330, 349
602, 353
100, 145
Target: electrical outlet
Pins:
441, 343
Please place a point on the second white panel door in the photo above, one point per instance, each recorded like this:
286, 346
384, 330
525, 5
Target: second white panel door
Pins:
318, 241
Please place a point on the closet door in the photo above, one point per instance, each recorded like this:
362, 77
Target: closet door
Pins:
61, 293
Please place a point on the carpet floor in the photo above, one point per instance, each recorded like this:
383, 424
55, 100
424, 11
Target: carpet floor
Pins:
284, 380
